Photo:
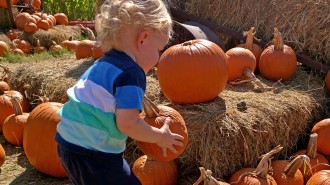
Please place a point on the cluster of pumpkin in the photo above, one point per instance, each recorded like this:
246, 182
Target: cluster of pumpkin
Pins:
309, 166
35, 4
213, 68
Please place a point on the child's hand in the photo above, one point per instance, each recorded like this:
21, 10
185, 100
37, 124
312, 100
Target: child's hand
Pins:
169, 139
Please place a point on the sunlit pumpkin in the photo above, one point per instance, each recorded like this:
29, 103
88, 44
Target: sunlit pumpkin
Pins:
36, 4
70, 44
97, 51
13, 126
24, 45
2, 155
278, 61
22, 19
13, 33
3, 3
320, 178
322, 128
286, 172
4, 48
61, 19
38, 139
39, 48
152, 172
155, 116
84, 49
192, 72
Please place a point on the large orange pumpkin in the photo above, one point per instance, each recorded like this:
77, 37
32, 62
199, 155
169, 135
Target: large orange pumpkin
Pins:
13, 126
152, 172
155, 116
39, 139
320, 178
2, 155
84, 49
254, 48
278, 61
322, 128
327, 80
285, 172
251, 179
238, 60
316, 160
21, 19
192, 72
24, 45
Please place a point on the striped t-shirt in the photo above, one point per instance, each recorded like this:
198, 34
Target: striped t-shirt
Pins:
88, 118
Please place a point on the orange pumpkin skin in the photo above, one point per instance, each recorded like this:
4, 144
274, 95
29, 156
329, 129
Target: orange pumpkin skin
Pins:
36, 4
322, 128
281, 178
6, 107
4, 48
277, 64
320, 178
61, 18
24, 45
13, 128
13, 34
256, 50
239, 59
70, 45
314, 162
3, 3
151, 172
97, 52
327, 80
21, 19
177, 126
2, 155
193, 72
4, 86
38, 139
251, 180
84, 49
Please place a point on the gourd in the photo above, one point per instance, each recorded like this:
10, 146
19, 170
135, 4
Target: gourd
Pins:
278, 61
192, 72
155, 116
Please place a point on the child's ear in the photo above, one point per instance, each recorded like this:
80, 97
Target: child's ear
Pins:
141, 39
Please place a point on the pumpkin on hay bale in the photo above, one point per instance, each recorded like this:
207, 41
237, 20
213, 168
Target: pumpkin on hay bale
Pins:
225, 134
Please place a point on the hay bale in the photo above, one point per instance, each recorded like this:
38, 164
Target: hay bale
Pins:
225, 134
5, 23
303, 24
58, 33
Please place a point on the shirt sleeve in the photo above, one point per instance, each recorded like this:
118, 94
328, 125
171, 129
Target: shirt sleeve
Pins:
129, 89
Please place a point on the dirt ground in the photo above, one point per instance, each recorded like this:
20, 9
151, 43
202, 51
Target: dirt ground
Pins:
18, 171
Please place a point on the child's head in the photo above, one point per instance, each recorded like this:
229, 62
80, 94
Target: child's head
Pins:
118, 17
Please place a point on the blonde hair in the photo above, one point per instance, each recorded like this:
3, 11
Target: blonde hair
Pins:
116, 16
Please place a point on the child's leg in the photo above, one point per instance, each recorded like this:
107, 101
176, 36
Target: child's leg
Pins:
96, 170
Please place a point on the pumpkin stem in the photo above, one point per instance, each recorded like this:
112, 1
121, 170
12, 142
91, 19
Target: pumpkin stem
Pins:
150, 108
311, 150
206, 175
249, 38
295, 164
15, 100
187, 43
278, 40
264, 164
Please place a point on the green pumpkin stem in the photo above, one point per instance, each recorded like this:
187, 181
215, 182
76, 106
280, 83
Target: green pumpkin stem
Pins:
311, 150
249, 38
15, 100
278, 40
291, 169
150, 108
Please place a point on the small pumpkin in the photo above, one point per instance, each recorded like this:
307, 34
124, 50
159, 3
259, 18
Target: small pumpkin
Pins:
320, 178
3, 3
43, 24
2, 155
13, 126
39, 48
55, 47
41, 126
151, 172
155, 116
327, 80
24, 45
322, 128
36, 4
4, 48
193, 72
250, 45
84, 49
13, 34
30, 27
97, 51
61, 19
21, 20
278, 61
70, 44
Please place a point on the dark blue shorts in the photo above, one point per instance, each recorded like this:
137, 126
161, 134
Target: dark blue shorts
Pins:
88, 167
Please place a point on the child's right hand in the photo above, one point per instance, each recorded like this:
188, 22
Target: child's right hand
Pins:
169, 139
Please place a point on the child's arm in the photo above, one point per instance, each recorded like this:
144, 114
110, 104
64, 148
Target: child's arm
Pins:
129, 122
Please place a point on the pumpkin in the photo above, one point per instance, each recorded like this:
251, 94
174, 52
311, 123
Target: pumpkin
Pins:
55, 47
2, 155
320, 178
24, 45
43, 24
4, 86
278, 61
21, 19
61, 18
286, 172
155, 116
38, 139
327, 80
13, 33
13, 126
84, 49
70, 44
315, 158
151, 172
3, 3
36, 4
322, 128
6, 107
192, 72
30, 27
4, 48
97, 51
238, 60
254, 48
